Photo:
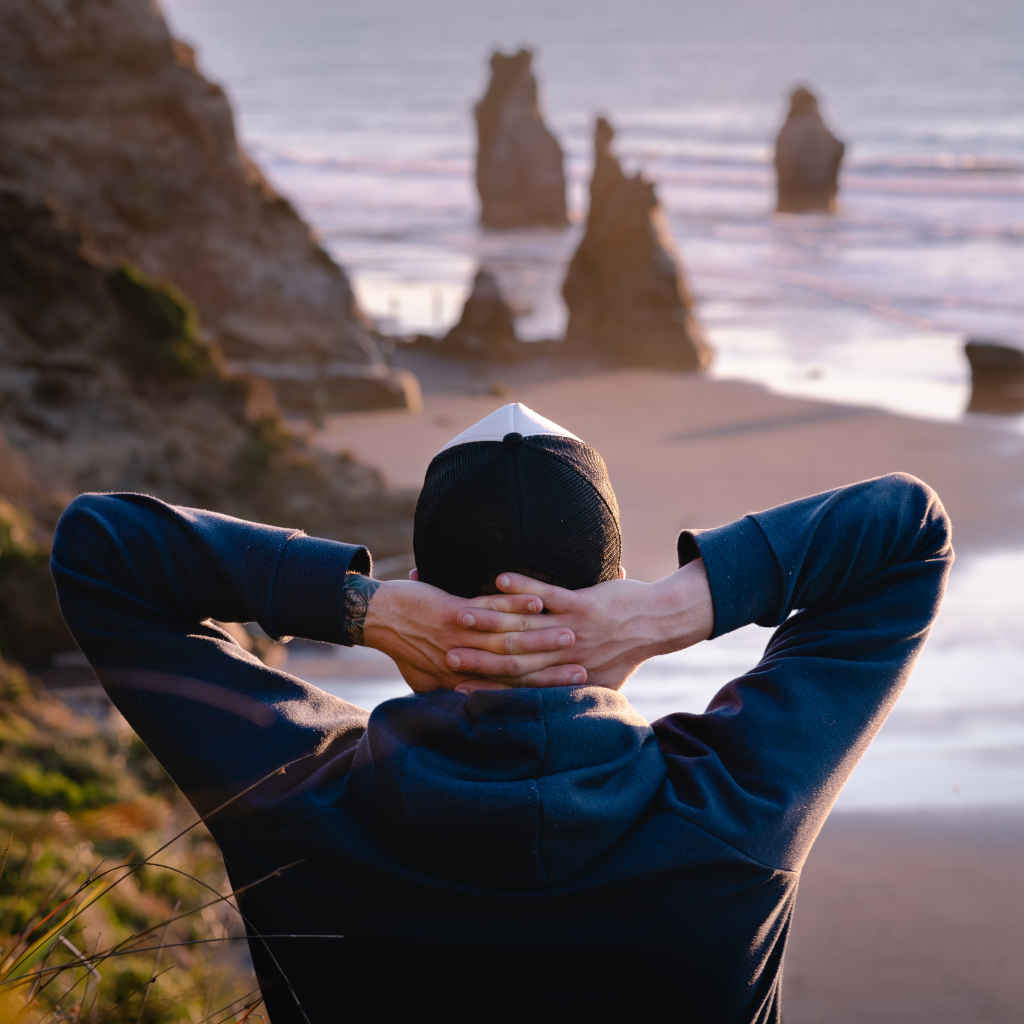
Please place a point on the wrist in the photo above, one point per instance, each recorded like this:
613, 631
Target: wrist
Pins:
681, 612
357, 593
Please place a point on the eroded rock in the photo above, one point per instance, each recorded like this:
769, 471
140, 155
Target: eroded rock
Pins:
318, 390
487, 326
519, 164
807, 158
108, 383
997, 376
624, 288
104, 111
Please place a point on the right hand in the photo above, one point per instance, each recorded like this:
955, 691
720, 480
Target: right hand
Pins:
617, 625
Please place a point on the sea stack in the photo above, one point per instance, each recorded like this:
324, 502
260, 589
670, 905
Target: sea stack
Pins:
519, 164
997, 376
105, 113
624, 288
487, 327
807, 158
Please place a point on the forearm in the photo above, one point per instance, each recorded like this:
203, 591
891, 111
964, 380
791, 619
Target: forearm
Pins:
822, 550
159, 563
136, 578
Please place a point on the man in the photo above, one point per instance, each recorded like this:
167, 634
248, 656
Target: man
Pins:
485, 849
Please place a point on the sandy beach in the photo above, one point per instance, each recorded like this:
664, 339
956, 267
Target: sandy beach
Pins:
904, 916
685, 451
909, 918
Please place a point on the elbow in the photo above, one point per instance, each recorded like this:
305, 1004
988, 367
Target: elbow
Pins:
920, 515
83, 534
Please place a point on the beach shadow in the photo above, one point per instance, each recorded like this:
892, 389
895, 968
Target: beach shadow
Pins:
765, 424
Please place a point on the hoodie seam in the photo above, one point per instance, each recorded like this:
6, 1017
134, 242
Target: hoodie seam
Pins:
275, 572
732, 846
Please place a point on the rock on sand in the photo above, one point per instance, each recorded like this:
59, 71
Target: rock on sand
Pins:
624, 288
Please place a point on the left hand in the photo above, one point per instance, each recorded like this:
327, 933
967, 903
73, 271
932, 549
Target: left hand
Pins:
416, 625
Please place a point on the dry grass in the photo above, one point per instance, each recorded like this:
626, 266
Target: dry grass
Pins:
114, 904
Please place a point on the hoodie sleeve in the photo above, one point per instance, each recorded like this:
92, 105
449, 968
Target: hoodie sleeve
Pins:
138, 578
853, 579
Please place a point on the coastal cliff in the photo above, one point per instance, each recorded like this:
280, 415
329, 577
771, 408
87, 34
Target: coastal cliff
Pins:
109, 383
104, 112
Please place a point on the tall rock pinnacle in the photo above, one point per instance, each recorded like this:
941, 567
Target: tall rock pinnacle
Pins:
519, 172
807, 158
624, 288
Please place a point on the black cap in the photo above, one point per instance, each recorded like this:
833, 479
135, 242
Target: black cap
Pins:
536, 503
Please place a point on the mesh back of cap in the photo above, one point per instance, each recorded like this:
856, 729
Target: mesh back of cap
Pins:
542, 506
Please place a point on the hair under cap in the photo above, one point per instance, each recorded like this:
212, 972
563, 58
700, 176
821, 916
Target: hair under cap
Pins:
516, 492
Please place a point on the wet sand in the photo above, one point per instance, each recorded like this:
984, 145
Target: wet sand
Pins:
903, 916
910, 918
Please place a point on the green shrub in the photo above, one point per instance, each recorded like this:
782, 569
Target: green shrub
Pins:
130, 990
28, 785
52, 760
163, 340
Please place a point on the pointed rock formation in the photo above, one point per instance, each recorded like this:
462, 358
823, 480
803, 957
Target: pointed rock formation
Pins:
486, 327
102, 110
519, 172
807, 158
624, 288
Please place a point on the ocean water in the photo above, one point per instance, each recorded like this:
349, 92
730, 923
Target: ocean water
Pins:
362, 114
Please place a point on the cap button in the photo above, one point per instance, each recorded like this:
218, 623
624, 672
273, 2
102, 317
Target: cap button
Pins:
513, 439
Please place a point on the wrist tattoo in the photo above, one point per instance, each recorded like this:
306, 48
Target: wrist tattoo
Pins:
356, 593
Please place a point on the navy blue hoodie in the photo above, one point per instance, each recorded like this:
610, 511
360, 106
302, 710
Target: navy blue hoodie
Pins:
511, 851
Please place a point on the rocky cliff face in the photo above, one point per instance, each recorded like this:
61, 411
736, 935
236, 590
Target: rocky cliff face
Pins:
624, 288
519, 163
102, 110
107, 383
807, 158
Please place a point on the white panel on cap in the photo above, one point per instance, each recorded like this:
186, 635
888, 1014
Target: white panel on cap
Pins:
514, 418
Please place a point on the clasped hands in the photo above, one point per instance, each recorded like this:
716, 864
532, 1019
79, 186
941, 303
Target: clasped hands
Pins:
596, 636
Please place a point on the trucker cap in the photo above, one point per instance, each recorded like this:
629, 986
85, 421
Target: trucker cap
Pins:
516, 492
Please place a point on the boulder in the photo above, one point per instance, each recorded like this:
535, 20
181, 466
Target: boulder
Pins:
102, 110
316, 391
997, 376
807, 158
624, 288
519, 163
487, 326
